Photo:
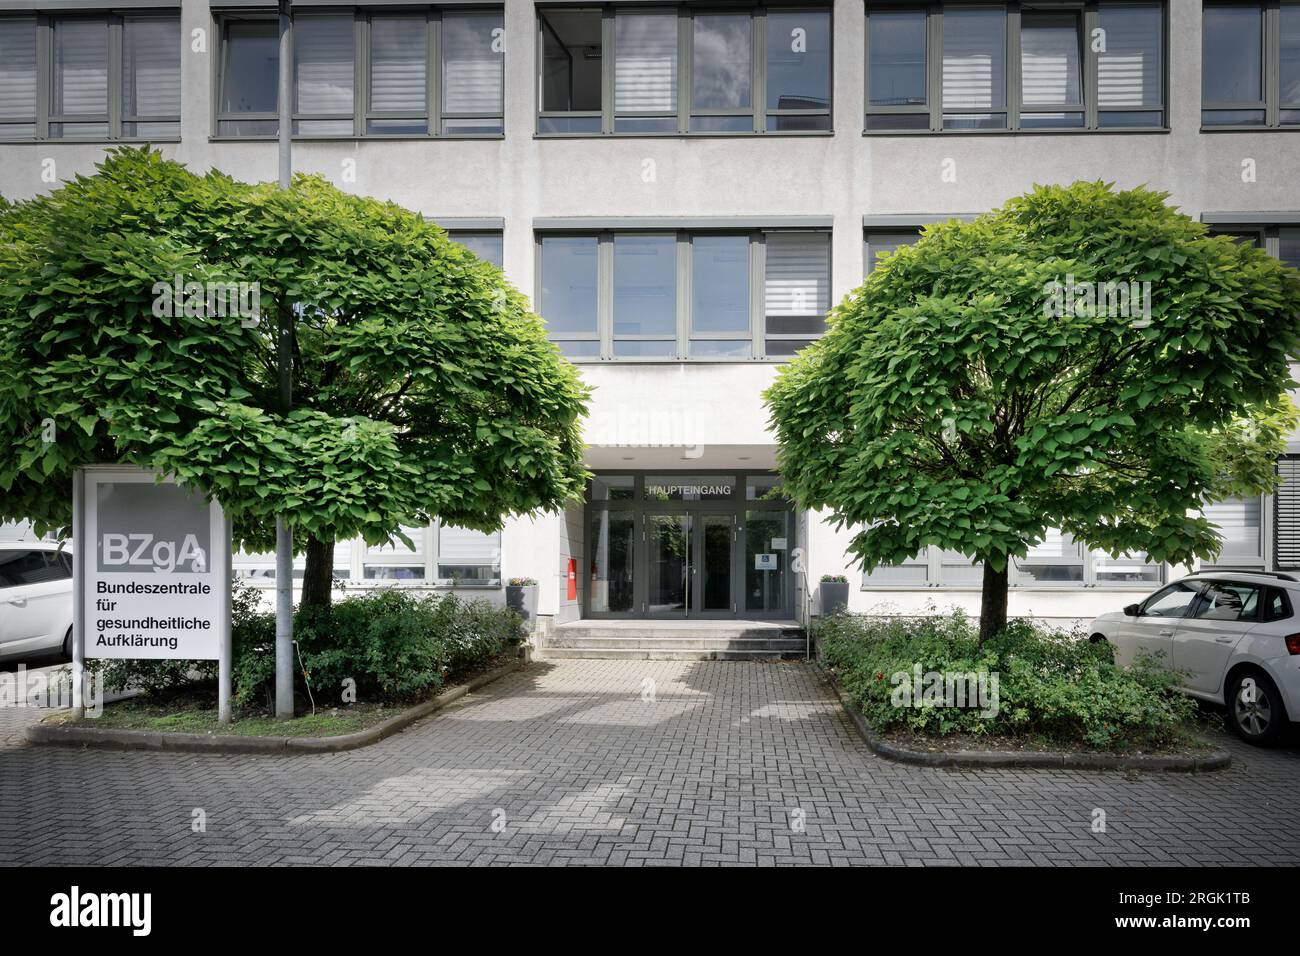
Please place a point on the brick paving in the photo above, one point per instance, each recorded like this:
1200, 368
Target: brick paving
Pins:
575, 762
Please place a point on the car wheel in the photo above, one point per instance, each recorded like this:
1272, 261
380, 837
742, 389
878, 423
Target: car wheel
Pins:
1256, 713
1109, 647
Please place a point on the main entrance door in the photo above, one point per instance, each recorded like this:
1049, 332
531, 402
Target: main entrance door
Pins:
688, 546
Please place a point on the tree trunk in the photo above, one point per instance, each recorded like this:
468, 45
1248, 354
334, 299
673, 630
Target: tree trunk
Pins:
318, 576
993, 601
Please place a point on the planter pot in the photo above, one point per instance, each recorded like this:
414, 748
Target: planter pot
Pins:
835, 596
523, 601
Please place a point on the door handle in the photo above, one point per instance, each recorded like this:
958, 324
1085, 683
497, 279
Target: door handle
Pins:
1166, 633
17, 602
1224, 640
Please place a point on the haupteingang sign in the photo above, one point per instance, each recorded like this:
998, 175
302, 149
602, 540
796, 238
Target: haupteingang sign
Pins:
154, 559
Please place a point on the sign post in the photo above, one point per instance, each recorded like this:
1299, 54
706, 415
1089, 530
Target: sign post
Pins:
153, 574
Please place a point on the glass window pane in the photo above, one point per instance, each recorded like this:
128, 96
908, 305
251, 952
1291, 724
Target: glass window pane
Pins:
1130, 69
151, 71
799, 60
1289, 247
1132, 568
80, 68
1057, 559
645, 285
1232, 54
17, 75
251, 68
958, 570
323, 66
1050, 69
645, 63
613, 556
1223, 601
884, 243
1290, 62
1173, 601
720, 284
569, 283
473, 68
399, 68
974, 60
896, 45
612, 488
797, 280
485, 245
571, 59
721, 66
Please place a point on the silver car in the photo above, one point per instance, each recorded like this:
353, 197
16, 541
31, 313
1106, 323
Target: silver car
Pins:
35, 602
1233, 635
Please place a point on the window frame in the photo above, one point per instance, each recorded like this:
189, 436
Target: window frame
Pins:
1271, 80
434, 115
685, 109
115, 116
685, 333
1088, 12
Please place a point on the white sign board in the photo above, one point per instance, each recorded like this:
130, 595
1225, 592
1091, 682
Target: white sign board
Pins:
765, 562
155, 557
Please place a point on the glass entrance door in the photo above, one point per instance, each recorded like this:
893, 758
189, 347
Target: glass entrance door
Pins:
766, 568
690, 564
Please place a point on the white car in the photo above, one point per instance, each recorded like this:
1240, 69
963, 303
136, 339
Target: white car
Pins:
1233, 635
35, 602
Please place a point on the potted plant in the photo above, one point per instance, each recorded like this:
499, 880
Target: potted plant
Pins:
835, 593
521, 597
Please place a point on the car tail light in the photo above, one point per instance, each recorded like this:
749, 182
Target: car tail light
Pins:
1293, 643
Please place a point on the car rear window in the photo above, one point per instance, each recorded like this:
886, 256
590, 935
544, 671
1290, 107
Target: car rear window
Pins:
1276, 605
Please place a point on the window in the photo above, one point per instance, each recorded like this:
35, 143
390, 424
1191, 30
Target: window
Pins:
397, 561
1097, 64
1276, 605
1226, 601
1289, 247
324, 75
1239, 523
683, 71
879, 244
1057, 561
1173, 601
1286, 512
409, 60
19, 568
668, 296
486, 245
468, 557
1250, 64
109, 77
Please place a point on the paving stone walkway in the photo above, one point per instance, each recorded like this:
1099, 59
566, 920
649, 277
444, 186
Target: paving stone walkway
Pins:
629, 763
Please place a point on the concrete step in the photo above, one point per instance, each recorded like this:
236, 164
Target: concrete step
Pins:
599, 652
628, 642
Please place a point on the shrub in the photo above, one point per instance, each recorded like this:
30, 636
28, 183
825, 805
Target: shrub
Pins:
394, 644
1052, 686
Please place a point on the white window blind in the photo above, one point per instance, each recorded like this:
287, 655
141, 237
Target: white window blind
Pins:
1239, 527
472, 70
323, 64
798, 269
397, 550
974, 60
1129, 70
1049, 60
645, 63
151, 68
17, 74
398, 64
80, 68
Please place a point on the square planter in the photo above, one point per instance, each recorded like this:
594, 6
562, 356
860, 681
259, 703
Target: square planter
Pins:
522, 599
835, 596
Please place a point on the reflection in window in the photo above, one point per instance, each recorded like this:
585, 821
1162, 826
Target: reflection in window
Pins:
974, 68
645, 294
249, 73
486, 245
1232, 65
798, 70
323, 75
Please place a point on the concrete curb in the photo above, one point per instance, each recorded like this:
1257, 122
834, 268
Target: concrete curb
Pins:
973, 759
113, 739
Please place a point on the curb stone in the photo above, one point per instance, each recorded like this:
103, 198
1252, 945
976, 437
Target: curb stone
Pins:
975, 759
115, 739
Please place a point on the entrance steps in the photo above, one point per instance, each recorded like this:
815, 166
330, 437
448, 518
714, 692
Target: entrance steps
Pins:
686, 640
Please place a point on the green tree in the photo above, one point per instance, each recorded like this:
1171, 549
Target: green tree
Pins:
423, 385
961, 399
